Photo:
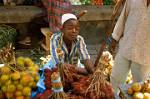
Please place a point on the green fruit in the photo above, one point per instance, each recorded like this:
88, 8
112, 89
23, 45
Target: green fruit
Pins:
34, 68
5, 70
27, 91
8, 82
15, 75
3, 88
11, 88
25, 80
19, 87
16, 82
23, 74
4, 79
20, 61
34, 73
37, 78
28, 62
31, 79
30, 84
34, 85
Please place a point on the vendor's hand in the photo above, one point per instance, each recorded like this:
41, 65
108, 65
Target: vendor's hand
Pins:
89, 66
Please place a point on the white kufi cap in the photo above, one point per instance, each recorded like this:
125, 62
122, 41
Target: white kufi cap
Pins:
66, 17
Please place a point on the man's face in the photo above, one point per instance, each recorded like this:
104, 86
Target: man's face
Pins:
71, 29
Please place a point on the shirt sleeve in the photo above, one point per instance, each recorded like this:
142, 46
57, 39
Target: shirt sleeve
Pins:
53, 49
83, 50
120, 25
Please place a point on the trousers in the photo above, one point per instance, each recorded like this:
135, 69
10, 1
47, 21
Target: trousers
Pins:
122, 66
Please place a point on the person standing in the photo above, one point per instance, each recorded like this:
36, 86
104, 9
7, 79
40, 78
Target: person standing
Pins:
132, 31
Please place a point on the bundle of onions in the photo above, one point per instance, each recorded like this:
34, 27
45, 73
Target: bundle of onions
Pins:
106, 64
57, 87
99, 87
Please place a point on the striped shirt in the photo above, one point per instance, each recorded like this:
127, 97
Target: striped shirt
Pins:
78, 50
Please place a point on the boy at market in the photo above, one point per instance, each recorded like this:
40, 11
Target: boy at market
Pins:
132, 30
71, 45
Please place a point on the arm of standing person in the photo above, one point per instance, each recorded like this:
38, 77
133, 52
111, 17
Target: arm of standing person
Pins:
120, 25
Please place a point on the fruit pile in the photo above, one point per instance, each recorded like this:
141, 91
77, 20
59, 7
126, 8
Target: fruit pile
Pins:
18, 79
140, 90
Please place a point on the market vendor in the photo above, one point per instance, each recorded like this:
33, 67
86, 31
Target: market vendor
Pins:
71, 45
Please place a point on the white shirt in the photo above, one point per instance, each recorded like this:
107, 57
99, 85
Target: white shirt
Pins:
133, 31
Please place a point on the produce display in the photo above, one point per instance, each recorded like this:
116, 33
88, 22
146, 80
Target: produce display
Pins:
77, 86
140, 90
18, 79
92, 2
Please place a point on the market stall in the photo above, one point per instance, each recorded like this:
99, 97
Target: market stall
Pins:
59, 81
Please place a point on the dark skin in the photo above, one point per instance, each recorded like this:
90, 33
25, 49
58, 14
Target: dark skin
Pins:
70, 31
